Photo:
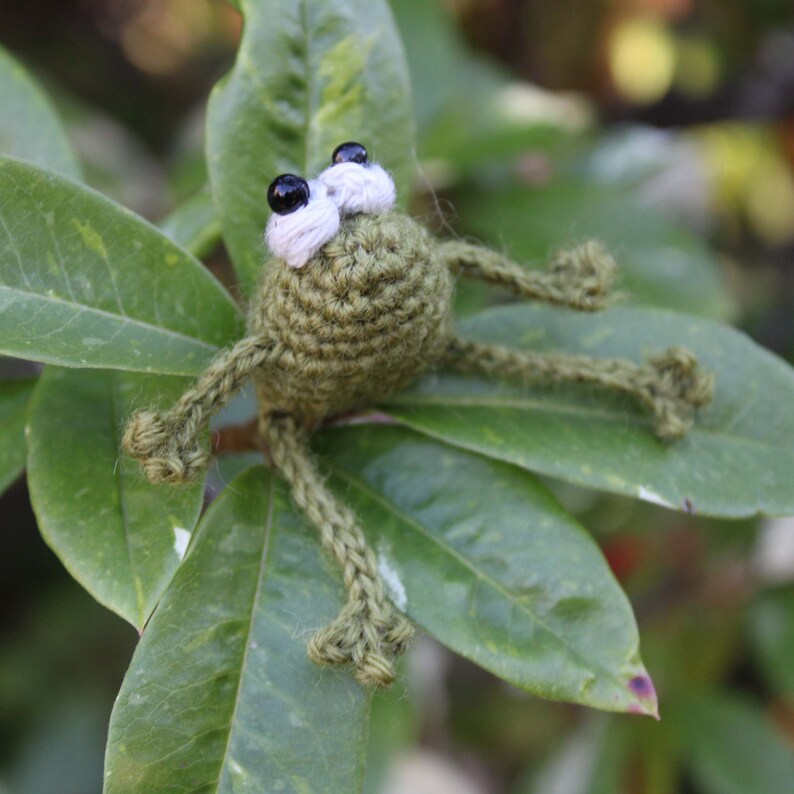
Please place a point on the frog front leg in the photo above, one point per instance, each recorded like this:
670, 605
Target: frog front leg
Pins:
169, 445
579, 278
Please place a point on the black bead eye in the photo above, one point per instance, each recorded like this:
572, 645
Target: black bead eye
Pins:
287, 193
349, 152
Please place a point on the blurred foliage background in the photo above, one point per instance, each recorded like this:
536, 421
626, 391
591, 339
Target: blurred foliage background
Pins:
664, 127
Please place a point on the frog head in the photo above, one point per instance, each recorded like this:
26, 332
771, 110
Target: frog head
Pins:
306, 214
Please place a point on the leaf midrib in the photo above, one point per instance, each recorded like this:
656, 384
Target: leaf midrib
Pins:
86, 192
254, 604
123, 320
446, 401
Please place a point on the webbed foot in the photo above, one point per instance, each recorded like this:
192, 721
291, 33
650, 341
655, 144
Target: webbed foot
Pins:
370, 641
674, 387
164, 457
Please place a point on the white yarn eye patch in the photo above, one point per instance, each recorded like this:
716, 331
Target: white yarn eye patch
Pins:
359, 188
341, 190
297, 237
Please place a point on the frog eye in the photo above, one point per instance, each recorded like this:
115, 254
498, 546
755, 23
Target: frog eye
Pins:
287, 193
349, 152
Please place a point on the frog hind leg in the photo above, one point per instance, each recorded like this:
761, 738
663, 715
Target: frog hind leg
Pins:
671, 385
369, 632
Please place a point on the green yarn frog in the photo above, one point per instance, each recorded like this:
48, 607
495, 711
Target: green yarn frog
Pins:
355, 304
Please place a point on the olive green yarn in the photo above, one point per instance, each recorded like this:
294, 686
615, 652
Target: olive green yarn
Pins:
670, 384
579, 278
170, 446
364, 317
369, 632
361, 319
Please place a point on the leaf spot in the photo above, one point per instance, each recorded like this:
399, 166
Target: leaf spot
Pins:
647, 495
181, 539
237, 770
394, 586
91, 238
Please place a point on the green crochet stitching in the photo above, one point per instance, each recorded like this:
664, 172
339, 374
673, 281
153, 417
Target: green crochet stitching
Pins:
362, 318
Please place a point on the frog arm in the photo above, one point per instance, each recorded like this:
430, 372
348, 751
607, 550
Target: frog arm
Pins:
169, 445
670, 384
579, 278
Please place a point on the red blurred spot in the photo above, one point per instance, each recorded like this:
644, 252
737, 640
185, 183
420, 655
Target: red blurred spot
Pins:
624, 555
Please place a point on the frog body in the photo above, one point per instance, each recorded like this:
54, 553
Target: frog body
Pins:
363, 317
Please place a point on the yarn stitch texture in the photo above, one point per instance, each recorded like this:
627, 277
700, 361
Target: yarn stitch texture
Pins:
366, 313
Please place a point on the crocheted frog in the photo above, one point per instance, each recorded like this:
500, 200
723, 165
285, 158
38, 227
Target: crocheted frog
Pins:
356, 303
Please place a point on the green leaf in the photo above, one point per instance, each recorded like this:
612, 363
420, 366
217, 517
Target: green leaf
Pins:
736, 461
732, 748
119, 536
14, 397
481, 556
772, 627
660, 263
86, 283
194, 225
220, 696
29, 127
309, 75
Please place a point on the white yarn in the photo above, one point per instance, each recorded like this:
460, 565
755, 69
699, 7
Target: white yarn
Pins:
343, 189
359, 188
297, 237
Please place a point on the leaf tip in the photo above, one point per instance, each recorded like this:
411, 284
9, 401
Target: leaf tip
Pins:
644, 693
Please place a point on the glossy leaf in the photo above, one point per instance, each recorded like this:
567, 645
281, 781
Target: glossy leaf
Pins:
29, 126
14, 396
119, 536
309, 76
86, 283
732, 748
220, 696
736, 461
483, 558
660, 264
194, 225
